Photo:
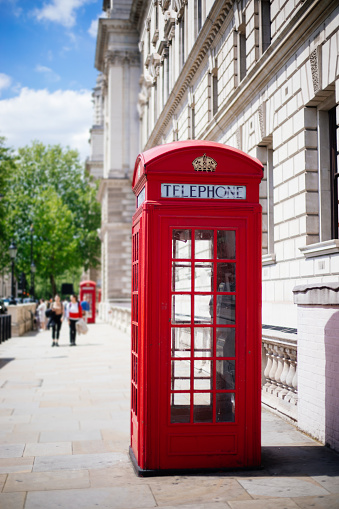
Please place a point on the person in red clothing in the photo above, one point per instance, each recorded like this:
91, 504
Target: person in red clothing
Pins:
74, 313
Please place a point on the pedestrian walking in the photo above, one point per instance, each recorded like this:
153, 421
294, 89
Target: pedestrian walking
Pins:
56, 319
74, 313
41, 315
85, 306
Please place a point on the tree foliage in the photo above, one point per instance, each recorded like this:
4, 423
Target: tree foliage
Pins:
49, 190
7, 165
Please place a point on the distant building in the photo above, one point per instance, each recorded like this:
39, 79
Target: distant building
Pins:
258, 75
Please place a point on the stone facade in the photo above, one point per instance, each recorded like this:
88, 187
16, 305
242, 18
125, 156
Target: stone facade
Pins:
258, 75
261, 76
114, 144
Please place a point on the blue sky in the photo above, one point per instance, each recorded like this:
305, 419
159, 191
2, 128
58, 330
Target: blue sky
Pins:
47, 72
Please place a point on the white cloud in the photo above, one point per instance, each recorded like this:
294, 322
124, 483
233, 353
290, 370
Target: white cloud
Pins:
5, 81
62, 117
60, 11
49, 74
93, 29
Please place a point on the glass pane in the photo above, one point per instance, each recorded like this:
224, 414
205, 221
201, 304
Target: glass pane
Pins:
226, 277
226, 309
225, 342
181, 376
204, 244
203, 375
203, 342
181, 243
181, 342
203, 407
225, 407
226, 245
203, 277
181, 308
225, 375
180, 407
203, 308
181, 277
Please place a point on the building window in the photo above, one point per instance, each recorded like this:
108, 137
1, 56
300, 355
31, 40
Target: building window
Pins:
264, 25
241, 53
182, 41
265, 156
155, 102
156, 16
333, 171
215, 91
193, 123
199, 14
327, 171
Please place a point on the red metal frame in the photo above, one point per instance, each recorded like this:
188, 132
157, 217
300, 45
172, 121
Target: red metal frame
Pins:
88, 291
159, 444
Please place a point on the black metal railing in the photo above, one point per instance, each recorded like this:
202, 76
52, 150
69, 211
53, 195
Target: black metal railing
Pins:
5, 327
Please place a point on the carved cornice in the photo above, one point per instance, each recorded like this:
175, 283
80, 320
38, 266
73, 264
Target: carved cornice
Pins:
315, 70
262, 119
123, 30
179, 7
169, 28
165, 4
119, 57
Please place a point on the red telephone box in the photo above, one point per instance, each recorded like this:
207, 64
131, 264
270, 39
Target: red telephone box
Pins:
88, 293
196, 309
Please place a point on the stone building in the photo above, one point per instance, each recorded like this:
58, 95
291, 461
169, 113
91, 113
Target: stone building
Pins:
262, 76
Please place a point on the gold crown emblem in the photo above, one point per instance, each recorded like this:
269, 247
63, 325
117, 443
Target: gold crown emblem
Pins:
204, 163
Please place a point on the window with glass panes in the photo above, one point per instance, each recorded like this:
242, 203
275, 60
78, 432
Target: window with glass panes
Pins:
203, 325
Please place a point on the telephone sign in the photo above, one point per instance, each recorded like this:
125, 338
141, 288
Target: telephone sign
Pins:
196, 309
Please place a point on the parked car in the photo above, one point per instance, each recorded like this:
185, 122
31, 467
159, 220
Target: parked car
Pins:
3, 308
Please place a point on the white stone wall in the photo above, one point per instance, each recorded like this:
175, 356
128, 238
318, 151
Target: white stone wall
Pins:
318, 375
275, 106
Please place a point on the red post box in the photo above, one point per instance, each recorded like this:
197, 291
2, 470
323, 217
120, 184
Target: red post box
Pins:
196, 309
88, 294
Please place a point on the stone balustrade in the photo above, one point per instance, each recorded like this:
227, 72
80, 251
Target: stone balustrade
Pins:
279, 361
117, 314
279, 372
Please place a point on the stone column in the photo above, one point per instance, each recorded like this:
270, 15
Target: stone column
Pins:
318, 361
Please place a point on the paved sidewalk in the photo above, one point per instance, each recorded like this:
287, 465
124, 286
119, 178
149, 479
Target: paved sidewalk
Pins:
64, 436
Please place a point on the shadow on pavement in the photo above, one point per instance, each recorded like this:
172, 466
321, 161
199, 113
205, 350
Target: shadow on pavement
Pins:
312, 460
3, 362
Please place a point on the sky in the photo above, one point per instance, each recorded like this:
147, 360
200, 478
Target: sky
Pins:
47, 73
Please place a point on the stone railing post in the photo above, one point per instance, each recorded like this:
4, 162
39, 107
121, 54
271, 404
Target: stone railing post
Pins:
279, 389
318, 349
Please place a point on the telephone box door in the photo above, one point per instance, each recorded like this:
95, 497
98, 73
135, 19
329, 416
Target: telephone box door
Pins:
205, 401
87, 293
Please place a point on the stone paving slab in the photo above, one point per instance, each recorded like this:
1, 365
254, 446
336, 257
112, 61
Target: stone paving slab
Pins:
78, 461
197, 490
329, 502
48, 449
273, 503
12, 500
136, 497
8, 465
11, 450
64, 436
45, 481
282, 487
69, 447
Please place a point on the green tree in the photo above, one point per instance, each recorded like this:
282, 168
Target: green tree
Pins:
7, 166
50, 190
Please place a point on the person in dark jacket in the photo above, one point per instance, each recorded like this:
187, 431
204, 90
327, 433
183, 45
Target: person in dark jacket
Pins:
56, 319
